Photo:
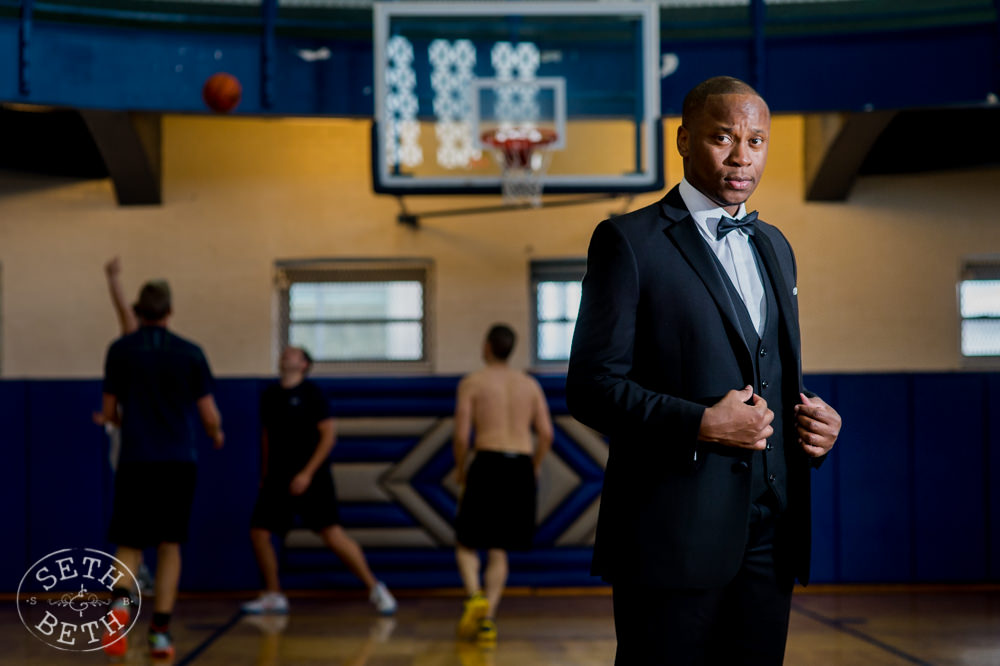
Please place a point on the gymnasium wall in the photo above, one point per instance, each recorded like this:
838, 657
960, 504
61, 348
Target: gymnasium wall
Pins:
911, 493
877, 274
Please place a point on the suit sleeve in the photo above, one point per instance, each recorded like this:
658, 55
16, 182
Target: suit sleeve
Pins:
599, 391
815, 463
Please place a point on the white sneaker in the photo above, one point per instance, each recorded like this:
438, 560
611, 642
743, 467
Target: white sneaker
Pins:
382, 599
269, 602
268, 623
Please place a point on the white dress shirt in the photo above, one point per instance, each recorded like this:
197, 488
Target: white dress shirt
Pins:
733, 251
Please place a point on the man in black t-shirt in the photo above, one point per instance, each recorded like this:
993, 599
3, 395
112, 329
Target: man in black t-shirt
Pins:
157, 386
297, 435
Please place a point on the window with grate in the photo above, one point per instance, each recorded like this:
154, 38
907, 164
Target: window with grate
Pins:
354, 316
555, 290
979, 305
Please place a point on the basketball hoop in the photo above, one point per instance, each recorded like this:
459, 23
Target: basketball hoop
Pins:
523, 159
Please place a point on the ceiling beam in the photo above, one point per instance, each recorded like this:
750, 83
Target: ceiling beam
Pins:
130, 144
836, 145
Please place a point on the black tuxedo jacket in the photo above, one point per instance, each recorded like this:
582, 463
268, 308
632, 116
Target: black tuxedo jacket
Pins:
657, 341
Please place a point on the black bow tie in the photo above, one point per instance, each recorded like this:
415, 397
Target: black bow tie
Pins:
727, 224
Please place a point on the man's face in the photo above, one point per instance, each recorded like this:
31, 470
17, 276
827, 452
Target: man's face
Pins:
725, 148
292, 360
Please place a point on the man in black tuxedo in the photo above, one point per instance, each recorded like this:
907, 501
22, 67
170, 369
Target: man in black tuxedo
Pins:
687, 356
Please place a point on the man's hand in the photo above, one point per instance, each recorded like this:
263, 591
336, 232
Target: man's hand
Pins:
214, 432
113, 268
818, 424
299, 483
734, 422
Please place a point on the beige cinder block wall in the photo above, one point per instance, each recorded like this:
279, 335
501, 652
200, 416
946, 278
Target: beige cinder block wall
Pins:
877, 274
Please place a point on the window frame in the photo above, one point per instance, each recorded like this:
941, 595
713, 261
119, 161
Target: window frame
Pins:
290, 272
984, 267
566, 269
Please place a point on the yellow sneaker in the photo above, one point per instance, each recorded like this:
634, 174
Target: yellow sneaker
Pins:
473, 613
487, 634
470, 654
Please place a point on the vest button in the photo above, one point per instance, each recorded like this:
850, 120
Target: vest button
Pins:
764, 384
771, 477
763, 351
769, 446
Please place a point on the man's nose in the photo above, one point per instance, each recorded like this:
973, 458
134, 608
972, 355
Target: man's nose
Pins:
739, 155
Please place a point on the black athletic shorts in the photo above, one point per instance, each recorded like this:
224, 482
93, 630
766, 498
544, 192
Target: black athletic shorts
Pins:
497, 509
152, 503
277, 509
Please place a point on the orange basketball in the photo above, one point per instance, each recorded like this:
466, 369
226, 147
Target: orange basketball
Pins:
222, 92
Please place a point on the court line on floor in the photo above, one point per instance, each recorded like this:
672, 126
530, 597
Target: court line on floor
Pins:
860, 635
214, 636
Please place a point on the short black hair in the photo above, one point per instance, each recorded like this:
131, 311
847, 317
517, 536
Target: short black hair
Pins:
694, 101
154, 301
308, 357
501, 340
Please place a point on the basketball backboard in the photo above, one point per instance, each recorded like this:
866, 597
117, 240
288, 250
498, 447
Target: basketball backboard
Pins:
583, 75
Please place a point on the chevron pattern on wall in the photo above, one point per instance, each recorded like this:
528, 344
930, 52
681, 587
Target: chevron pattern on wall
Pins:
395, 478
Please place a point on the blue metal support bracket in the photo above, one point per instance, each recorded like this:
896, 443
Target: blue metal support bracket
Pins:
996, 52
758, 16
269, 9
24, 42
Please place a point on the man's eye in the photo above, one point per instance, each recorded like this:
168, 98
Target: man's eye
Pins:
757, 141
722, 138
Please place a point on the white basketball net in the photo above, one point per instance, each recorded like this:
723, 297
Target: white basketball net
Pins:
524, 161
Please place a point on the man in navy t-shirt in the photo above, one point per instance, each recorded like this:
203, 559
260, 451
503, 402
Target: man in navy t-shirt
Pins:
157, 387
297, 435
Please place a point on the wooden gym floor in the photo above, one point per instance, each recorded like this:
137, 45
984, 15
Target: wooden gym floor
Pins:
830, 626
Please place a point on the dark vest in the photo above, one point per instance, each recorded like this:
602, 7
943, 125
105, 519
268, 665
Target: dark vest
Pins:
769, 481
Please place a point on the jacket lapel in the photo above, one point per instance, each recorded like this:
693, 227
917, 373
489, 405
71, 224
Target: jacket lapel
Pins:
770, 260
683, 232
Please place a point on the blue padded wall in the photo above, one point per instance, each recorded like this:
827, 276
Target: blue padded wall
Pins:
992, 475
825, 537
67, 469
217, 554
874, 501
14, 484
949, 503
911, 493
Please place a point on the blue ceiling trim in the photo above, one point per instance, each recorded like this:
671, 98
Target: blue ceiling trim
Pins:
153, 68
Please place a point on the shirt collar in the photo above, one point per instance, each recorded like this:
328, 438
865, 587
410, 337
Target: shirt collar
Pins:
706, 213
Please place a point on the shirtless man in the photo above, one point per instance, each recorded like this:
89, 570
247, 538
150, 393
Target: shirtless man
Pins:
497, 508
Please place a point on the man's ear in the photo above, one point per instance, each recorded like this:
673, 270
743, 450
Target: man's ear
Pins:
683, 137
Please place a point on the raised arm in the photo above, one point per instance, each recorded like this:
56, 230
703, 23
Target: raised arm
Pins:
211, 419
463, 428
126, 318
